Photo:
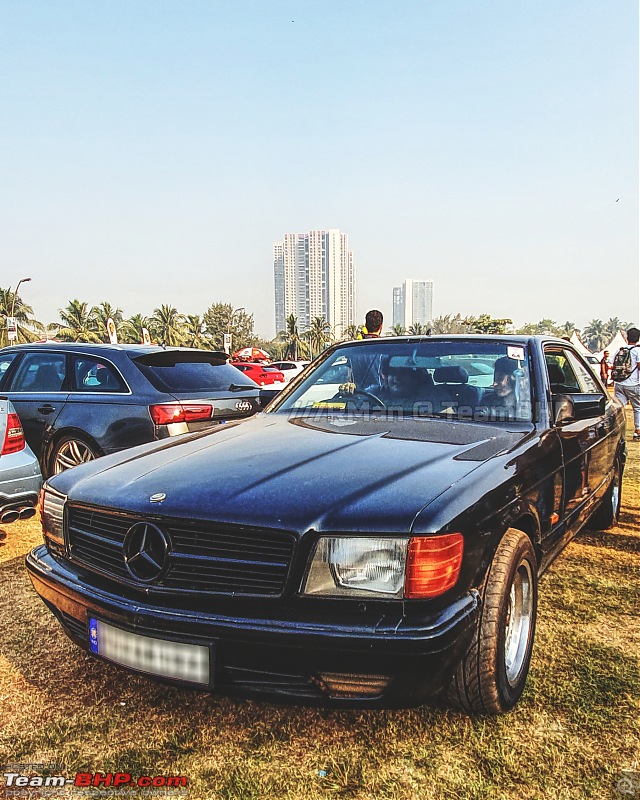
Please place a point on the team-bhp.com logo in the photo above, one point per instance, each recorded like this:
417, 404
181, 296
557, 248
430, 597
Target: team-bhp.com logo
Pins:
15, 781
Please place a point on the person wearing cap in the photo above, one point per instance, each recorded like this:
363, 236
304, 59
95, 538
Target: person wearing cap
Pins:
502, 398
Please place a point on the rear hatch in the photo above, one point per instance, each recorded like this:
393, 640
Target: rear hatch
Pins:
202, 383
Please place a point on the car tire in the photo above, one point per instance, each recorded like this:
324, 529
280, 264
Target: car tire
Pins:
491, 677
608, 512
70, 451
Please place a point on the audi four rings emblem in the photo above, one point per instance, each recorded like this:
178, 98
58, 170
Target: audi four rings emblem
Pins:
243, 405
146, 551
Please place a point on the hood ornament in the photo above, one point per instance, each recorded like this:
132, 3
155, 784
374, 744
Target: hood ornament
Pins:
158, 497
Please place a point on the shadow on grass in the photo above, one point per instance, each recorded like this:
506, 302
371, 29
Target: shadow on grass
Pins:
611, 541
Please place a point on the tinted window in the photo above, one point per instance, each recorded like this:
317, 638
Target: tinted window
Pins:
562, 378
40, 372
189, 376
5, 361
477, 380
93, 375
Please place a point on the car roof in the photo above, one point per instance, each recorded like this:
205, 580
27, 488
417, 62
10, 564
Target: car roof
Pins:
100, 348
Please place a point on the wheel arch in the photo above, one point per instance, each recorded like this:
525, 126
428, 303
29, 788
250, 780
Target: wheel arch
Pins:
57, 437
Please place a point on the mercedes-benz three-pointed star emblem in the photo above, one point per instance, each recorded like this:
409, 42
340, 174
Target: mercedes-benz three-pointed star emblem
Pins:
146, 550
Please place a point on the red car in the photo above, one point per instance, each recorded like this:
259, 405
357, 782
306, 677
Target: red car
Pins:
262, 374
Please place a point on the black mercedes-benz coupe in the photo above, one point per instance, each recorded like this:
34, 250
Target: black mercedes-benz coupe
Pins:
80, 401
374, 538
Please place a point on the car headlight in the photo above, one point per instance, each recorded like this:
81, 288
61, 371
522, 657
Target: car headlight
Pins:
414, 567
52, 515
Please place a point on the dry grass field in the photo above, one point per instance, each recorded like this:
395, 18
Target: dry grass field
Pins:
576, 728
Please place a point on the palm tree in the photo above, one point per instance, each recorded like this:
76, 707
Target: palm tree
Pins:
194, 331
78, 323
568, 328
101, 314
318, 334
397, 330
351, 332
10, 301
613, 325
295, 346
417, 329
595, 335
132, 328
167, 323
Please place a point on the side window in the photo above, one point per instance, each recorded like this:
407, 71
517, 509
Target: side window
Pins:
93, 375
562, 376
5, 362
588, 383
40, 372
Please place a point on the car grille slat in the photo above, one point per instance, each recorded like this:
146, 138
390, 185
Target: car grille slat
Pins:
203, 557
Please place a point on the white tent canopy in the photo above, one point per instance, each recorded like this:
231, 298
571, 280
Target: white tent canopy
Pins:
580, 347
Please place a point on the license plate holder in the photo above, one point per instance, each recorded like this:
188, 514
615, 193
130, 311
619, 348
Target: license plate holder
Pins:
163, 658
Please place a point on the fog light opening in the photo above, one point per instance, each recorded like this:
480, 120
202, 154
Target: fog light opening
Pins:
349, 684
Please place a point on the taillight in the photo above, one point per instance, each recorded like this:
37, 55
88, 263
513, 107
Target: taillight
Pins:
14, 437
166, 413
433, 564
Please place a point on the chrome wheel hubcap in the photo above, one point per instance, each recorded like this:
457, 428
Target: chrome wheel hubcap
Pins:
518, 627
71, 454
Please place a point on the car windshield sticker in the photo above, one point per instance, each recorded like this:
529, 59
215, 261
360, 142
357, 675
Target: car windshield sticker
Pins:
516, 352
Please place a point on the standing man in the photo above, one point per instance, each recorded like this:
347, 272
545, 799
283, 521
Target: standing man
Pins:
605, 368
626, 377
372, 328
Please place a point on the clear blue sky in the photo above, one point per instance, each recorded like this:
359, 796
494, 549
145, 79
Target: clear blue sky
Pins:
152, 151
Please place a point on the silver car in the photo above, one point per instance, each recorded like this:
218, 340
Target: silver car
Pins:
20, 478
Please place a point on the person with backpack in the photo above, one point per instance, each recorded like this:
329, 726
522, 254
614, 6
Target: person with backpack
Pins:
625, 373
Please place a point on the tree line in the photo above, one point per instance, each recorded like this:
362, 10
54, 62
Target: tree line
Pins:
81, 322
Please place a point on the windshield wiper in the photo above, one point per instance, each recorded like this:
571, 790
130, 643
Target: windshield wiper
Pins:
241, 388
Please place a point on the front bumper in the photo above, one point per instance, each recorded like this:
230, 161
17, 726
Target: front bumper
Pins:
279, 656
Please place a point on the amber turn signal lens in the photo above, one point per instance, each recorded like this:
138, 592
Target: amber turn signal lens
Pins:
433, 565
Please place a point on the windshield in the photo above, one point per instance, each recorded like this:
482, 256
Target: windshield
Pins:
466, 379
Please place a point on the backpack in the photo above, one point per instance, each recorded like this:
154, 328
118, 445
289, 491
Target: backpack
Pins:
621, 368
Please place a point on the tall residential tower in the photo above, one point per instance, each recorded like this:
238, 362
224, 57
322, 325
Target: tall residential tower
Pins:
413, 303
314, 276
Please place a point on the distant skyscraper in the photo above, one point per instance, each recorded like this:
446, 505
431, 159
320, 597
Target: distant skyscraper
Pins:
413, 303
314, 276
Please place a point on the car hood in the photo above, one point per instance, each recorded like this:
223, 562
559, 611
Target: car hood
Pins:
295, 472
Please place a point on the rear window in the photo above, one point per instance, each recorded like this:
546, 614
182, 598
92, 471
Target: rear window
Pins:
191, 376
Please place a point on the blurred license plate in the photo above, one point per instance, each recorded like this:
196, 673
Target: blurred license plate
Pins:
177, 660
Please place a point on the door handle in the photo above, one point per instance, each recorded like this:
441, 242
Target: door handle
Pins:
47, 408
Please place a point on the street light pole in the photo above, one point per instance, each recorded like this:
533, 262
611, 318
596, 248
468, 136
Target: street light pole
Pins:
228, 336
15, 294
12, 328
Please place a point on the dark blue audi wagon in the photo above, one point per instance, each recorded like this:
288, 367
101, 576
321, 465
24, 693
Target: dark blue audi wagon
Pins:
79, 401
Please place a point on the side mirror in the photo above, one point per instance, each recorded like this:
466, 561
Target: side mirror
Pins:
563, 411
572, 407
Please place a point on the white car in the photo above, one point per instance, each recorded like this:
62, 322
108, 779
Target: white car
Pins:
290, 369
20, 478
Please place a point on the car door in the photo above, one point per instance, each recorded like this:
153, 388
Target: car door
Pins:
604, 443
37, 387
579, 440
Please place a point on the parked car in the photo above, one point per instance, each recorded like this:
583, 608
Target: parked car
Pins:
376, 540
20, 478
80, 401
262, 374
290, 369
